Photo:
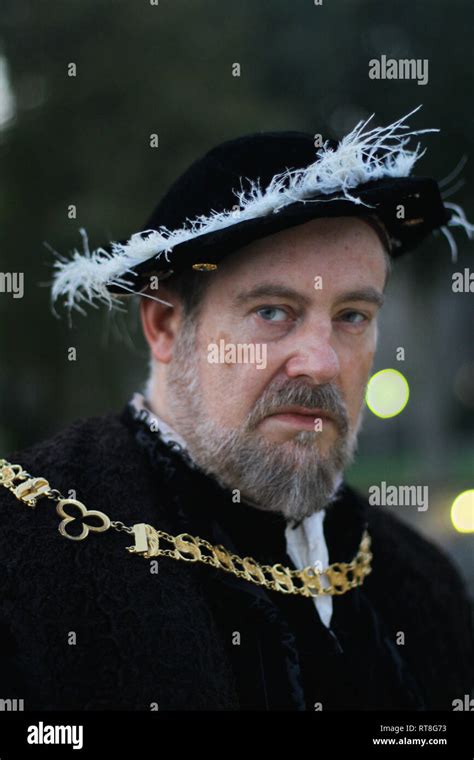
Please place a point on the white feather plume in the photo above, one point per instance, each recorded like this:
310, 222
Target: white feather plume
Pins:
84, 277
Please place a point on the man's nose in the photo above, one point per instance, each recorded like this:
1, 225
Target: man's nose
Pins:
313, 356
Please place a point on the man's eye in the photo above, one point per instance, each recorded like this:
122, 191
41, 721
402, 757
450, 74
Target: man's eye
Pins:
353, 317
272, 314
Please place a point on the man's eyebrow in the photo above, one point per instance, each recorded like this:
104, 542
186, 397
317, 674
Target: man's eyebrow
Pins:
283, 291
271, 290
363, 294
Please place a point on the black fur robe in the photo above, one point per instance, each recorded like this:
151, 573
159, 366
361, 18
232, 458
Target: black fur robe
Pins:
86, 625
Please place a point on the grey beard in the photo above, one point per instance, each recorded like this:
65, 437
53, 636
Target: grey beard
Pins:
291, 478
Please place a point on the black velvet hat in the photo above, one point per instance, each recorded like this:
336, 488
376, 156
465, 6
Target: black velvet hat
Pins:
256, 185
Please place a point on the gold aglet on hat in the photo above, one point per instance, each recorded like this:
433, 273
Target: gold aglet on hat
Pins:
205, 267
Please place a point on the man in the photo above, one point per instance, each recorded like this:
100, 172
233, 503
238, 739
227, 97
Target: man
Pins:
255, 578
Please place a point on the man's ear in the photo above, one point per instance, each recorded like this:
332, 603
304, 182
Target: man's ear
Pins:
160, 325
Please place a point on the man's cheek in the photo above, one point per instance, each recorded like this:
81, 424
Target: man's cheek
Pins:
354, 396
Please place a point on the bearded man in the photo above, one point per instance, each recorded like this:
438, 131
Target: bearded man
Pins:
255, 578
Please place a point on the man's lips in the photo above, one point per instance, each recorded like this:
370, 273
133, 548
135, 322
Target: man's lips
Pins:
301, 416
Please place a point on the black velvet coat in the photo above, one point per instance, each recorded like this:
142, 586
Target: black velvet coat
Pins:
86, 625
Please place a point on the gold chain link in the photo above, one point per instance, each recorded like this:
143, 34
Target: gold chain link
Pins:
311, 581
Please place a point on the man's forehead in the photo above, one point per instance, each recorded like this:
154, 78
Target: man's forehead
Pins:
310, 241
294, 261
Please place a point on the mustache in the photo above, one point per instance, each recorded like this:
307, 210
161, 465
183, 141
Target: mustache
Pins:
326, 397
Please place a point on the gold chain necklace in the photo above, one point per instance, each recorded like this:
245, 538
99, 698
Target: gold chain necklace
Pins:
310, 581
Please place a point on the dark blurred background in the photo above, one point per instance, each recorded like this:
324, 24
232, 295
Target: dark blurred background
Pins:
167, 69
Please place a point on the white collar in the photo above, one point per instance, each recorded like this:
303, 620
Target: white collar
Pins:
155, 423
